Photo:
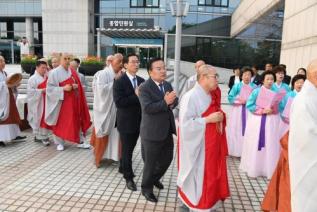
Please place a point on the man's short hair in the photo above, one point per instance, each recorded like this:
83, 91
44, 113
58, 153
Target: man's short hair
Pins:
40, 62
150, 63
126, 58
77, 60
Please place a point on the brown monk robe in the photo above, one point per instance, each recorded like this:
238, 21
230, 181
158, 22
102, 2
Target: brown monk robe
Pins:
14, 117
278, 194
100, 146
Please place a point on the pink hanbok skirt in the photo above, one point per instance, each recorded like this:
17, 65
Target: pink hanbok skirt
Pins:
261, 162
234, 131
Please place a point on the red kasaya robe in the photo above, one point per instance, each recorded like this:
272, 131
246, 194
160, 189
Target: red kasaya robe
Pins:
74, 114
215, 186
43, 123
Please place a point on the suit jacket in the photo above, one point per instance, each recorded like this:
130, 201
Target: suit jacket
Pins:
157, 117
287, 79
257, 79
231, 82
128, 105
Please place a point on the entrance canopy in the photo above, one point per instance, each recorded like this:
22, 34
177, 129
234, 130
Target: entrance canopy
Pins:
132, 33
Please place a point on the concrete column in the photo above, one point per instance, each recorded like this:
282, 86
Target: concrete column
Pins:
29, 29
98, 42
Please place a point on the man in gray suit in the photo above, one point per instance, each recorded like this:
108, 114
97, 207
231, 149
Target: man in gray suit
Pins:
157, 100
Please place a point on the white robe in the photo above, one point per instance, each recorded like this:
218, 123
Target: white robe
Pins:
303, 150
192, 142
35, 100
55, 94
5, 98
105, 111
7, 131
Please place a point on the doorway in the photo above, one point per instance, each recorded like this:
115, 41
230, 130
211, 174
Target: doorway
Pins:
145, 53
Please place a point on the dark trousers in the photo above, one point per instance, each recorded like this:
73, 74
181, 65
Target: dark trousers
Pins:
128, 141
157, 157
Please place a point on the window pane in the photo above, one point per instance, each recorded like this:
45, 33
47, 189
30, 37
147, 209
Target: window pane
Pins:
201, 2
152, 3
208, 2
224, 3
217, 2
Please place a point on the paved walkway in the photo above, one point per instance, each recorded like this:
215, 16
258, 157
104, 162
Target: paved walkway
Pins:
38, 178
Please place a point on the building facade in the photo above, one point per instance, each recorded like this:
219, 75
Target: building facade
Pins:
146, 27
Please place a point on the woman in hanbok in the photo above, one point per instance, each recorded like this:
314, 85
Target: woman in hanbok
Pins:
284, 106
261, 147
279, 85
238, 97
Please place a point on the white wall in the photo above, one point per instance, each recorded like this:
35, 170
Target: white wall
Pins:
67, 26
248, 11
299, 41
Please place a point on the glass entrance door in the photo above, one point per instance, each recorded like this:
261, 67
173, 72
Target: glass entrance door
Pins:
145, 53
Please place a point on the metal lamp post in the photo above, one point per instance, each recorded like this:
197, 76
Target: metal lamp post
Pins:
179, 9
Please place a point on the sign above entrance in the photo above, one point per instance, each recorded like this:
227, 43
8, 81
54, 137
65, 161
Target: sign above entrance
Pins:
129, 23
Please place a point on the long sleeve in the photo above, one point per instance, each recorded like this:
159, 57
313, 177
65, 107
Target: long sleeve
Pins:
234, 92
251, 103
148, 104
35, 103
120, 98
282, 104
54, 98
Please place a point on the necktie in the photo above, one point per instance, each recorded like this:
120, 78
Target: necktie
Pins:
161, 88
134, 82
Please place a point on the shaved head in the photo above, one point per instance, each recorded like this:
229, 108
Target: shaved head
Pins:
198, 64
205, 70
207, 77
312, 72
109, 59
116, 62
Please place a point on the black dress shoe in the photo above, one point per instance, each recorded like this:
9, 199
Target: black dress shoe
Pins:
2, 144
20, 138
149, 196
158, 185
131, 185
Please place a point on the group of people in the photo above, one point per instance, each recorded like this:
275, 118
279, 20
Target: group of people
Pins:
126, 107
266, 114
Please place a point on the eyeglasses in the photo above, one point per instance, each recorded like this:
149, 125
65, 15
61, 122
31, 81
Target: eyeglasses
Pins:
216, 76
66, 58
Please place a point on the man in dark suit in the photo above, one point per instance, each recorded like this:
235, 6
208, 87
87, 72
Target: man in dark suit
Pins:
157, 100
256, 79
234, 78
287, 78
125, 91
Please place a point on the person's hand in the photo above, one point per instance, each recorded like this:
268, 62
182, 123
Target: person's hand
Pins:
268, 111
67, 87
170, 97
75, 86
219, 127
214, 117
